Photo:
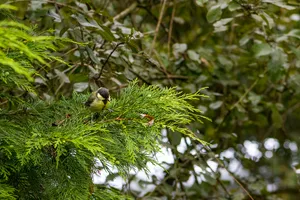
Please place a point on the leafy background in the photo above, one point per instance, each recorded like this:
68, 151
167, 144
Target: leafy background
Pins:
246, 51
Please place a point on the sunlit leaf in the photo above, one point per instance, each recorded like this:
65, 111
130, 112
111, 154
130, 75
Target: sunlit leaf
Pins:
193, 55
201, 2
92, 55
233, 6
214, 13
294, 33
276, 65
216, 105
262, 49
280, 3
80, 87
269, 20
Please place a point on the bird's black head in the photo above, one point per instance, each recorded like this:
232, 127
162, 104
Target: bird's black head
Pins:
103, 92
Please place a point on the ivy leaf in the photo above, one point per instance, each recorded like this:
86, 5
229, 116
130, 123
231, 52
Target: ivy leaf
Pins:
262, 49
214, 13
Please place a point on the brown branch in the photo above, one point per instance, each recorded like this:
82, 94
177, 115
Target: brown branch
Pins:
217, 178
170, 30
240, 100
232, 175
156, 19
158, 25
106, 61
170, 76
122, 14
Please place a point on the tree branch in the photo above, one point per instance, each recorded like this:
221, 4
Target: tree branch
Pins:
170, 30
158, 25
123, 13
98, 77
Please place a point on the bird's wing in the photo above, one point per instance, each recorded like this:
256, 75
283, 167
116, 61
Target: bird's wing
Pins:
90, 99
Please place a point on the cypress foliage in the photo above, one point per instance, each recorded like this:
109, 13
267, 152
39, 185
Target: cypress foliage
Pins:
54, 146
49, 151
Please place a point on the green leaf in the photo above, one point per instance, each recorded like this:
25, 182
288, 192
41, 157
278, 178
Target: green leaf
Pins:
262, 49
102, 30
8, 7
257, 18
175, 138
200, 2
193, 55
222, 22
106, 33
214, 13
294, 33
280, 3
268, 19
179, 48
233, 6
275, 65
92, 55
276, 118
261, 120
244, 39
215, 105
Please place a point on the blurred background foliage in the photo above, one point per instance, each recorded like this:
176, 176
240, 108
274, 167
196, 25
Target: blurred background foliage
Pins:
246, 51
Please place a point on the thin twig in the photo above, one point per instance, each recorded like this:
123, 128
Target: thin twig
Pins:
158, 25
106, 61
135, 73
170, 76
123, 13
70, 51
170, 30
156, 19
240, 100
217, 178
66, 5
232, 175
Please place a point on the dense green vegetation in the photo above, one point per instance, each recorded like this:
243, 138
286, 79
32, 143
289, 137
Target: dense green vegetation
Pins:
236, 139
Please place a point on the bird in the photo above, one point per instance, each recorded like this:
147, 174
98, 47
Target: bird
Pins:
98, 100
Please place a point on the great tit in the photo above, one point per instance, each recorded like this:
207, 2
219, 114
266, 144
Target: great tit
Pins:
99, 100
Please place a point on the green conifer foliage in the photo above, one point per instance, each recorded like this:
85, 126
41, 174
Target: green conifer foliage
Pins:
50, 150
55, 145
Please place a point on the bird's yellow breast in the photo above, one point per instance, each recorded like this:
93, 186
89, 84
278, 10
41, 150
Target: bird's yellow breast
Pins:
98, 105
